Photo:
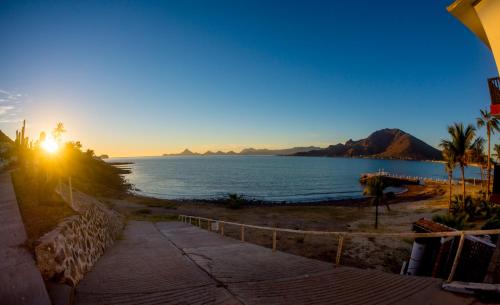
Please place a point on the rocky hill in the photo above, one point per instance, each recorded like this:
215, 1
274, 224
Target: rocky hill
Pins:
4, 138
384, 143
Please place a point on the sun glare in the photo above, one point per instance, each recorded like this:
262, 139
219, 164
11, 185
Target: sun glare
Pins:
49, 145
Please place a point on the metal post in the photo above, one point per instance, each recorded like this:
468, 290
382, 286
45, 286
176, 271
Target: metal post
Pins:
339, 249
274, 240
209, 223
242, 233
457, 258
199, 222
70, 191
222, 229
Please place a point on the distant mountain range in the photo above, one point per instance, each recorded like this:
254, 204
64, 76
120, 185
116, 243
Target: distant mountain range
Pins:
249, 152
384, 144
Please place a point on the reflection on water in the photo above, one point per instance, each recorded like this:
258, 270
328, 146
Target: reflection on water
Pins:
271, 178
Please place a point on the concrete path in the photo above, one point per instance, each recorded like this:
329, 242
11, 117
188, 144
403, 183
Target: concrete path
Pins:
175, 263
146, 268
20, 280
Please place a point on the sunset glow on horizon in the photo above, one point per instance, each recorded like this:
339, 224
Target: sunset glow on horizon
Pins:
147, 78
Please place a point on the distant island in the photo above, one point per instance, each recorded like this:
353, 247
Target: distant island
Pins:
382, 144
248, 152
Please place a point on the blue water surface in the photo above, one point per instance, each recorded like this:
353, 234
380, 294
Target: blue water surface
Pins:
270, 178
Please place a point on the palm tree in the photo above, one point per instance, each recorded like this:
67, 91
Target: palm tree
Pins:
58, 131
449, 166
476, 155
375, 187
460, 145
492, 125
496, 149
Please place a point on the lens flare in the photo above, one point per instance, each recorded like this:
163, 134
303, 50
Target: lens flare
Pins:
49, 145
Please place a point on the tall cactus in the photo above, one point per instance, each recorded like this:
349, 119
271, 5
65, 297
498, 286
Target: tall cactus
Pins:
23, 130
21, 140
18, 140
21, 143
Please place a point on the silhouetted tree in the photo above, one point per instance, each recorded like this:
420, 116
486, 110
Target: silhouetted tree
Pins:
461, 139
58, 131
492, 125
476, 155
496, 148
375, 187
450, 163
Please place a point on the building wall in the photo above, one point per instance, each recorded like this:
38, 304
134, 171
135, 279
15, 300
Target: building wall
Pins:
488, 12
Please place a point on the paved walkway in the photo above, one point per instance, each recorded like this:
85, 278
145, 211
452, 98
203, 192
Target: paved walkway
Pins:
20, 280
145, 268
175, 263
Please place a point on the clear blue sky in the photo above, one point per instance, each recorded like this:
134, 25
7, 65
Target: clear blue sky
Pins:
146, 77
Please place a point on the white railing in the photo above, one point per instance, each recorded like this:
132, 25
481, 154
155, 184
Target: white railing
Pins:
341, 235
437, 180
418, 178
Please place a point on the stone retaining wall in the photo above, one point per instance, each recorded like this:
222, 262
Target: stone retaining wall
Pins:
70, 250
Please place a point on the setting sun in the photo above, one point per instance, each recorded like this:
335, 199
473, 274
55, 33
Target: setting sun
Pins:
49, 145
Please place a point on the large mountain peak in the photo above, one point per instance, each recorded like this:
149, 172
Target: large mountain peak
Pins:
389, 143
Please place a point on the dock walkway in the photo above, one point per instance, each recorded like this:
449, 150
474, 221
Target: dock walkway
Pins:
175, 263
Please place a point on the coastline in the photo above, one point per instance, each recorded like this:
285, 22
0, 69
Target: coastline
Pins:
405, 192
420, 201
414, 193
410, 193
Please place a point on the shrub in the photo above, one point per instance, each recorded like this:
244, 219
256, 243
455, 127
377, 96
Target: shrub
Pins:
491, 224
235, 201
458, 222
90, 174
474, 207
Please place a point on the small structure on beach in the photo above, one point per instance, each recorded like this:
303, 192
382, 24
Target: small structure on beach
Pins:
391, 179
434, 256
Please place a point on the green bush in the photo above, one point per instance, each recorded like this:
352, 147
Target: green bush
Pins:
458, 222
91, 174
491, 224
235, 201
474, 207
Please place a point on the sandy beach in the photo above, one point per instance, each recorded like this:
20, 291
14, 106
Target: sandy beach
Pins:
352, 215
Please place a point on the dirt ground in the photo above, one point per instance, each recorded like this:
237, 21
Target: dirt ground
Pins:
385, 254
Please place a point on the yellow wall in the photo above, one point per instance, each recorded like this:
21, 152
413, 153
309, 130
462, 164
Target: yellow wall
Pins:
483, 18
489, 14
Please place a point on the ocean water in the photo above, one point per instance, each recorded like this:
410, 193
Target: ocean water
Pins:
270, 178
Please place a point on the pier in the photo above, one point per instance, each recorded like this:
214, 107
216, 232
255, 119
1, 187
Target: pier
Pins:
405, 179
